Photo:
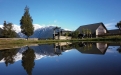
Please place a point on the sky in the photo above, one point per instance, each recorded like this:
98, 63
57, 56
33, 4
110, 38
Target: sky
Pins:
68, 14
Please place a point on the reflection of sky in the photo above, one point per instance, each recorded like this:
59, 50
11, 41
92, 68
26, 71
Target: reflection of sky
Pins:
71, 62
112, 49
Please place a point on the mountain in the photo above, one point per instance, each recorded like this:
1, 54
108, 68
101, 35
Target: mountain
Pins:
39, 31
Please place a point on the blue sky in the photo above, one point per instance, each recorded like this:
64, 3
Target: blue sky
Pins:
69, 14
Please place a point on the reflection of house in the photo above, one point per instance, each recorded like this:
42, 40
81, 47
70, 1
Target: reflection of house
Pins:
101, 46
61, 47
59, 34
96, 29
98, 48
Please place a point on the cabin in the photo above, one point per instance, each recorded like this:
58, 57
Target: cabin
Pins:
59, 34
96, 29
64, 32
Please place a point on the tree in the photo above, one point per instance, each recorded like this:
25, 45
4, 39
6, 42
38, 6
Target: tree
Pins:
75, 34
26, 23
90, 33
118, 25
83, 31
8, 31
87, 32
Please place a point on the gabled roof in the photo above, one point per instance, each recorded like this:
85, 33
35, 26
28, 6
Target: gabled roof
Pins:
92, 27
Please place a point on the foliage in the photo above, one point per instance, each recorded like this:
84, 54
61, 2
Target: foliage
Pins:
28, 60
8, 31
67, 34
75, 34
87, 32
26, 23
118, 25
83, 31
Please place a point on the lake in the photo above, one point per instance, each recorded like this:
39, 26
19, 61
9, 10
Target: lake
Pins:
65, 58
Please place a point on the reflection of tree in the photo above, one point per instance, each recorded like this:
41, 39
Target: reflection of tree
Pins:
119, 49
8, 56
82, 45
28, 60
88, 46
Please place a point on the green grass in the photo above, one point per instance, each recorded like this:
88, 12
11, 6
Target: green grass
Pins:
19, 43
26, 42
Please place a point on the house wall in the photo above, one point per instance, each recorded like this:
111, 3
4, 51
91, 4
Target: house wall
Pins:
62, 37
100, 30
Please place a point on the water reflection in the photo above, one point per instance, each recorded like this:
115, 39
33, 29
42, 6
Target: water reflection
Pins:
8, 56
92, 48
28, 54
119, 49
28, 63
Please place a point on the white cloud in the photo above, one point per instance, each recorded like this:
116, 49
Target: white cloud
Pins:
110, 26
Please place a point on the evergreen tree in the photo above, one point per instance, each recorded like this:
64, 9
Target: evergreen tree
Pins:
8, 31
26, 23
118, 25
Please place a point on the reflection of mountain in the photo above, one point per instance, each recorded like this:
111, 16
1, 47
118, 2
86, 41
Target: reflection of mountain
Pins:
40, 52
92, 48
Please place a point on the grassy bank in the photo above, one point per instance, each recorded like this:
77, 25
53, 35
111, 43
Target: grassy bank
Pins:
14, 42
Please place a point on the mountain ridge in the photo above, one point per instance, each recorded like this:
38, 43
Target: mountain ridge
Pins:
39, 31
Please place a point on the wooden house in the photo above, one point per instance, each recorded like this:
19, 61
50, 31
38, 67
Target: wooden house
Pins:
96, 29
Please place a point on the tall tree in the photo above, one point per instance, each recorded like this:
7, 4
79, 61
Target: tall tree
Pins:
26, 23
118, 25
87, 33
8, 31
90, 34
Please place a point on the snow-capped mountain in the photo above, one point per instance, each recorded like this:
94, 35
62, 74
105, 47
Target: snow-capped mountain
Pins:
39, 31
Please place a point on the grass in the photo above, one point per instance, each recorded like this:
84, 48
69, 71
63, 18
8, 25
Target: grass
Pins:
26, 42
19, 43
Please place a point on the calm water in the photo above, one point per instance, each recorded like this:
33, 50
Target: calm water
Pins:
62, 59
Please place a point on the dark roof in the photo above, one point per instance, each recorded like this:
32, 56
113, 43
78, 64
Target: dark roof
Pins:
92, 27
114, 31
56, 28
